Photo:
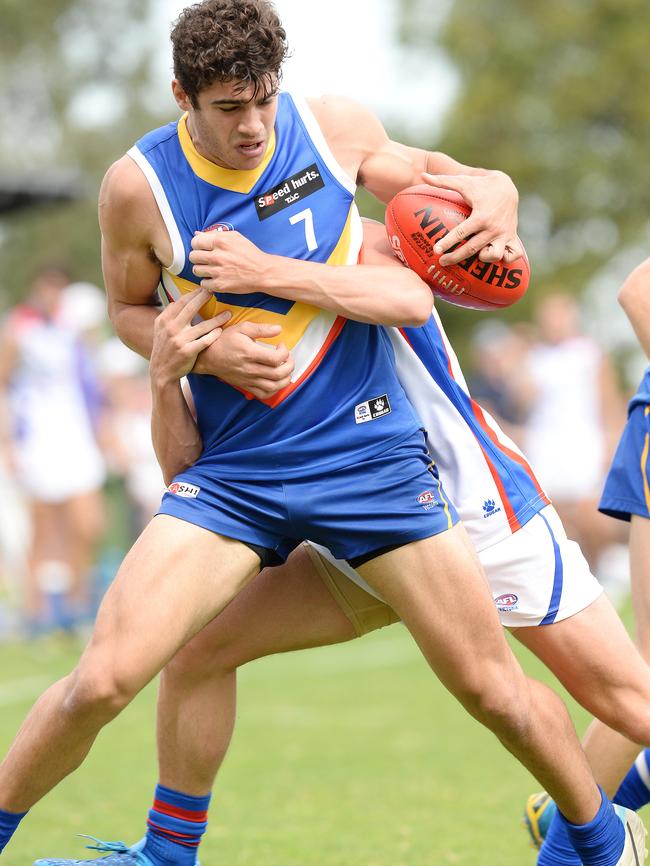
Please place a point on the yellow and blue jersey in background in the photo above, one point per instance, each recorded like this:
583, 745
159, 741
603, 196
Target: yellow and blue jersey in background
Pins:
627, 486
345, 403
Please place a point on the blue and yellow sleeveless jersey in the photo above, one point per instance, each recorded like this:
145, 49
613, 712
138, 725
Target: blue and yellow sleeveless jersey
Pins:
298, 203
627, 486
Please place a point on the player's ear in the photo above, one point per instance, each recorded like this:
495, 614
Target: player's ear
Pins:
182, 99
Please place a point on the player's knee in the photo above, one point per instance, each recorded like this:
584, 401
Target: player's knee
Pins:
203, 659
630, 716
96, 692
501, 707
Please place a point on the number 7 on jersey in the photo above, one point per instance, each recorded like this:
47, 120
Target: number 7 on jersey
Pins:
307, 217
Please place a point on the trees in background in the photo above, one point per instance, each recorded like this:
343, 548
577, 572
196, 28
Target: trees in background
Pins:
553, 92
556, 94
76, 92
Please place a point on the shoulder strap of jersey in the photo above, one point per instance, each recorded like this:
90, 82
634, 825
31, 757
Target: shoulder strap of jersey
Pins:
315, 134
164, 207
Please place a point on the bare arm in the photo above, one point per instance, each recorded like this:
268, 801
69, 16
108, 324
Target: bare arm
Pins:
134, 245
132, 248
634, 297
384, 167
377, 294
176, 344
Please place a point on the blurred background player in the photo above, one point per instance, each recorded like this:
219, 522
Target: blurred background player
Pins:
575, 414
126, 432
498, 379
49, 392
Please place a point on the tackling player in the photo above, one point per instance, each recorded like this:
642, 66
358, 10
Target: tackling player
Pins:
284, 172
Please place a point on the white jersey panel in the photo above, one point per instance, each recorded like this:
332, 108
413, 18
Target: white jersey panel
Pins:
478, 476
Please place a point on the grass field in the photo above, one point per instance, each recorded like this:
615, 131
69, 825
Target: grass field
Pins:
346, 756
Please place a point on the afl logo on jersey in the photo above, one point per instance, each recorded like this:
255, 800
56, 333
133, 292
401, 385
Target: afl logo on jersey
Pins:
507, 601
220, 227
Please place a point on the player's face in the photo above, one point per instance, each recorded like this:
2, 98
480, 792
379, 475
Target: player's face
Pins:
230, 128
47, 292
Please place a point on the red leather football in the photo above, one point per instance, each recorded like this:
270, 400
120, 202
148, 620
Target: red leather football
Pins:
416, 218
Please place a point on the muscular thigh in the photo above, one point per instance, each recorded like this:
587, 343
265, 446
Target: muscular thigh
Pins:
439, 590
640, 577
173, 581
289, 607
593, 656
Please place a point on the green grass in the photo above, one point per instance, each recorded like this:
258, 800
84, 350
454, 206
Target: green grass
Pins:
342, 756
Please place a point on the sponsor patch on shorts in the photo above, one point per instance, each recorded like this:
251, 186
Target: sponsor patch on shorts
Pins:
372, 409
187, 491
506, 602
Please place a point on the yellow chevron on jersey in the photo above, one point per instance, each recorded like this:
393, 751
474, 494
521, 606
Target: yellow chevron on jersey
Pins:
302, 320
234, 180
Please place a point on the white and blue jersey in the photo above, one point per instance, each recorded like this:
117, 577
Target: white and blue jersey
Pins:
485, 474
345, 403
537, 576
627, 486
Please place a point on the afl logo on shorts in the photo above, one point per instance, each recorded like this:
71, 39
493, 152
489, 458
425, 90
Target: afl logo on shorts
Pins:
507, 601
427, 500
220, 227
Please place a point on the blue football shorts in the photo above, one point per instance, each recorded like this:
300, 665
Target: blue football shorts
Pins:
627, 486
357, 512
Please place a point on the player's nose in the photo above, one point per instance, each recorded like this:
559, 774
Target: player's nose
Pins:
251, 126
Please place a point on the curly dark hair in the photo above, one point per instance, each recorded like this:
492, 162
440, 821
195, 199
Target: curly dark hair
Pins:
228, 40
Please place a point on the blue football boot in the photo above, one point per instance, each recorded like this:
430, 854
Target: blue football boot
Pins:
538, 814
117, 854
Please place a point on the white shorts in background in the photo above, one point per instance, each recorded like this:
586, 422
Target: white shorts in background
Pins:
60, 467
537, 576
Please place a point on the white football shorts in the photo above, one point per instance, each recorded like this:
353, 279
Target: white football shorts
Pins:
537, 576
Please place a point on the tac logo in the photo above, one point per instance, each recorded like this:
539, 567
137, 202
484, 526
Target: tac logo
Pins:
506, 602
490, 508
220, 227
186, 491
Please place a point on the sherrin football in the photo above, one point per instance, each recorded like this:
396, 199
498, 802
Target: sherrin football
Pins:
416, 218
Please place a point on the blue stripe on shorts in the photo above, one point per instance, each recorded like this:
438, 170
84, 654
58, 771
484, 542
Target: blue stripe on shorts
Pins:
558, 578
